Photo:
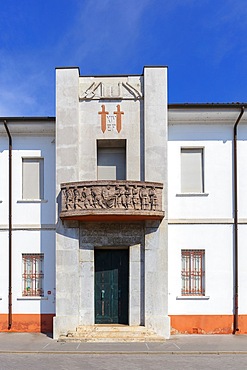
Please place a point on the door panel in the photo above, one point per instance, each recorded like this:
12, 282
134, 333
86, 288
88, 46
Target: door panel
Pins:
111, 286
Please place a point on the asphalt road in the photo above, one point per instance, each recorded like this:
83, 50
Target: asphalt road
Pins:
42, 361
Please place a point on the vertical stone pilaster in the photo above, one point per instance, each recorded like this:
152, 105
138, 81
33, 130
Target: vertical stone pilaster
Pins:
155, 160
86, 277
135, 285
67, 239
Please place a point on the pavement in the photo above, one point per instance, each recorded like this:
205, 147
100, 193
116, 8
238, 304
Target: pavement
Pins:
178, 344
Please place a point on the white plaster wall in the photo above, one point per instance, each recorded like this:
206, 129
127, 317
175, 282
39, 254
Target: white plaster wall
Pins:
4, 271
242, 214
27, 241
4, 183
215, 134
217, 143
26, 216
217, 242
34, 242
30, 212
242, 170
242, 278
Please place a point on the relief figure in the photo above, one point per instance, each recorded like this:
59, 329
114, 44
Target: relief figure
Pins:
97, 198
69, 199
144, 198
136, 197
108, 196
77, 199
88, 199
153, 198
128, 197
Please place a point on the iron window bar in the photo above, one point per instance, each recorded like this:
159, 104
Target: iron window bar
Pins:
33, 275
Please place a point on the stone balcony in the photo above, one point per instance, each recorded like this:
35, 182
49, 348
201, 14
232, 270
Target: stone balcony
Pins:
109, 201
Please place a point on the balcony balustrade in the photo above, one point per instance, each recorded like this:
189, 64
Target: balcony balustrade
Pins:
108, 201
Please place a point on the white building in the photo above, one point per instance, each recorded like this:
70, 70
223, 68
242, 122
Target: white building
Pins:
155, 188
202, 191
27, 301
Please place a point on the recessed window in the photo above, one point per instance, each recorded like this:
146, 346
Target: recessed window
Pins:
32, 178
32, 275
111, 160
192, 167
193, 272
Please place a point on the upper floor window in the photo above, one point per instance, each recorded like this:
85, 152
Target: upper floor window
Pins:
193, 272
111, 160
192, 170
32, 178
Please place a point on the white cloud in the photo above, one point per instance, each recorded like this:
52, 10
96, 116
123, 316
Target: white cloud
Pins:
25, 88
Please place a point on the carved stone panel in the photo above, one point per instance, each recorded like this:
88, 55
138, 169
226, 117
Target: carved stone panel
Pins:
116, 235
110, 89
111, 197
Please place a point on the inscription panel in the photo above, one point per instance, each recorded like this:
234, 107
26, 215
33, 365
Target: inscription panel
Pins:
111, 234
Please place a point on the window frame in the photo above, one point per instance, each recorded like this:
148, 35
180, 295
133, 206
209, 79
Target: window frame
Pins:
192, 277
41, 184
119, 146
35, 277
202, 170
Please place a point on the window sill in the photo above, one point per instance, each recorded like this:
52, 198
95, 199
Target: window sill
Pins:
30, 298
192, 194
192, 297
32, 201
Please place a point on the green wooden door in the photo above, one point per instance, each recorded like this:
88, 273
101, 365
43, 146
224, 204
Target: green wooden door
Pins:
111, 286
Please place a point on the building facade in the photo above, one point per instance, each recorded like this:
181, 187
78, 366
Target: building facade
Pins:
27, 225
127, 211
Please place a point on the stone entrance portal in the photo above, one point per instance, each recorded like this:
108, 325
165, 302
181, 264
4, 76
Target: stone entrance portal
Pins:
99, 117
111, 274
111, 286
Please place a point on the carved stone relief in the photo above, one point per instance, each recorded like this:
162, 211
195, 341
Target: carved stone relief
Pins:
116, 90
116, 196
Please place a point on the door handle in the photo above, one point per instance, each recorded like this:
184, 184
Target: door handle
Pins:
102, 294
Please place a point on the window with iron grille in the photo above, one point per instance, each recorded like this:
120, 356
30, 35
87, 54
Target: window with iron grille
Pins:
32, 275
193, 272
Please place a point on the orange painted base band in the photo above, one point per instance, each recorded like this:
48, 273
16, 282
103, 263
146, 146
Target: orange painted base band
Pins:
206, 324
32, 323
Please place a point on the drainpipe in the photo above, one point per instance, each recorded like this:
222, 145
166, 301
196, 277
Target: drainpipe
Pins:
235, 162
10, 227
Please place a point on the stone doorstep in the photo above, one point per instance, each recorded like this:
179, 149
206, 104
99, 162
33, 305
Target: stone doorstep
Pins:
110, 333
111, 340
112, 328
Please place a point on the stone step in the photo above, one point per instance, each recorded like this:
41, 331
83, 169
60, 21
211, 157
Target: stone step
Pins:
110, 340
110, 333
111, 328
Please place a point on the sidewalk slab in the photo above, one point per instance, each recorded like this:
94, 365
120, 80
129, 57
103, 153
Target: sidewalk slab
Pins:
177, 344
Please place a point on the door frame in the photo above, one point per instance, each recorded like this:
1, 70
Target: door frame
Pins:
129, 285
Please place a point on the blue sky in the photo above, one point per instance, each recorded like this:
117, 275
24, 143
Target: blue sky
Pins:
203, 43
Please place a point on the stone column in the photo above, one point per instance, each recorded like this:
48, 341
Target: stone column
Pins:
155, 160
67, 241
